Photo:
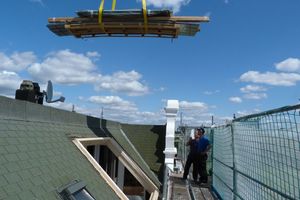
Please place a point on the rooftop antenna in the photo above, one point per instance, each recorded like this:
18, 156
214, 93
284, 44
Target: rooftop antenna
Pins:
102, 113
101, 117
49, 94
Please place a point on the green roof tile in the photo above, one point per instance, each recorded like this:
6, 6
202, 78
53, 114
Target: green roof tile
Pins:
12, 166
25, 174
22, 147
125, 143
38, 191
3, 170
3, 194
37, 154
13, 197
2, 158
37, 180
12, 178
12, 189
26, 185
149, 140
3, 181
12, 140
11, 157
26, 195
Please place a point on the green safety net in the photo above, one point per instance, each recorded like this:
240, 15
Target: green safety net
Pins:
258, 156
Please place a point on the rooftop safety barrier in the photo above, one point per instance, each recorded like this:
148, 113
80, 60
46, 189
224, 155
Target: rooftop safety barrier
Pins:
258, 156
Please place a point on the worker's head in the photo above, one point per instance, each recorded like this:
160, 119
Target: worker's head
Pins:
200, 131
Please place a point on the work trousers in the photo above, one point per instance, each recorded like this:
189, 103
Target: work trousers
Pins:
191, 159
200, 167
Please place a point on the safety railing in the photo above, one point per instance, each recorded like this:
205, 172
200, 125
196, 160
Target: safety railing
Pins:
258, 156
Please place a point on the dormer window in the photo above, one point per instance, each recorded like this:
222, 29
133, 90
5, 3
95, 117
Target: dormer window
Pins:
119, 171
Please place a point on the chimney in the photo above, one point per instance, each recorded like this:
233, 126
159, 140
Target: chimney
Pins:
170, 151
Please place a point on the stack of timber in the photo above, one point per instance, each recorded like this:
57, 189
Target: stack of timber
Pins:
126, 23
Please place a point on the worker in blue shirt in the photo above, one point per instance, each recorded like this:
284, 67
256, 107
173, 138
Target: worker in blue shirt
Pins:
192, 157
203, 147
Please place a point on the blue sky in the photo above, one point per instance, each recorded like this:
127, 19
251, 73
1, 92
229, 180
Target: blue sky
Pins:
245, 60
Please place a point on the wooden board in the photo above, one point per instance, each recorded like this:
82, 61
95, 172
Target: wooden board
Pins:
176, 19
129, 26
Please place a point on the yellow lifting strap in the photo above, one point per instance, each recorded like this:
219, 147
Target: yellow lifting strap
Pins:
113, 6
101, 8
100, 12
145, 15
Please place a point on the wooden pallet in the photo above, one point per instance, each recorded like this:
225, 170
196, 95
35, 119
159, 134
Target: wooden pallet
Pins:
174, 19
157, 26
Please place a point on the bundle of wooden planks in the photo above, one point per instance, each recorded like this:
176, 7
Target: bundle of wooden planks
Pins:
126, 23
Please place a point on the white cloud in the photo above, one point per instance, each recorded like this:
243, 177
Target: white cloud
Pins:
271, 78
255, 96
235, 99
208, 14
194, 113
113, 103
226, 1
118, 109
289, 65
175, 5
195, 118
65, 67
10, 81
185, 105
211, 92
17, 61
38, 1
92, 54
241, 113
69, 107
138, 117
161, 89
252, 88
124, 82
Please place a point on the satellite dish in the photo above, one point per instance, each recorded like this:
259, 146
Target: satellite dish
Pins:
49, 94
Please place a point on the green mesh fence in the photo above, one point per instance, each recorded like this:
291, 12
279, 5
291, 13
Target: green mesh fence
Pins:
258, 156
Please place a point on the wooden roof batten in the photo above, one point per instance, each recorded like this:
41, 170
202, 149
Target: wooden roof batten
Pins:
126, 23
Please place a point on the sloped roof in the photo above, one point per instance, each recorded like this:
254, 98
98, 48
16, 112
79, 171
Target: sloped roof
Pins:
120, 137
149, 141
37, 155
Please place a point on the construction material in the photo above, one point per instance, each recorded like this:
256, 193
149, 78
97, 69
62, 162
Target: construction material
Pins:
126, 23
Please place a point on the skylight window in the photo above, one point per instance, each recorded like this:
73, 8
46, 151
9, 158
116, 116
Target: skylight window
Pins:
83, 195
76, 190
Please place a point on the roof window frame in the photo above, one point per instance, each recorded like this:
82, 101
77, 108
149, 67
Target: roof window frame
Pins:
117, 150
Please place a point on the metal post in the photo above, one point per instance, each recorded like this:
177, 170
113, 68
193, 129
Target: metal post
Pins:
233, 163
212, 154
165, 183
